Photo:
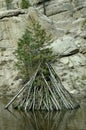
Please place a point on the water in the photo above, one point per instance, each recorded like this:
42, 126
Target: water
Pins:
16, 120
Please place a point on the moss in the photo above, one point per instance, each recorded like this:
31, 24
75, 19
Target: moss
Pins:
84, 24
84, 77
3, 49
25, 4
3, 63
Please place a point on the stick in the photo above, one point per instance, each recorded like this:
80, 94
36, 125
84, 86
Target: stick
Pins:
51, 93
34, 98
71, 102
32, 78
57, 88
41, 94
6, 107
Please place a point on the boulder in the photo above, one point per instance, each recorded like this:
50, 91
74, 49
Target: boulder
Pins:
45, 22
64, 46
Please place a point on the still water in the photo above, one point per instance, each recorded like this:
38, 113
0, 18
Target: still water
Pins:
68, 120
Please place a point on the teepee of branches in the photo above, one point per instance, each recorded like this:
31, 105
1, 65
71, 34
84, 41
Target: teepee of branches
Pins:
51, 95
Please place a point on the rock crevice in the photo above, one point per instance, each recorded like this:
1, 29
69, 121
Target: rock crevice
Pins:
11, 13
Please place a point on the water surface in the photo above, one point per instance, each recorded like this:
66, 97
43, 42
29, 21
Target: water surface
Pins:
68, 120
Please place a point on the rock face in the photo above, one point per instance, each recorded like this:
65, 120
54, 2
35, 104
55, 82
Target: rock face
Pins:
10, 27
71, 66
64, 21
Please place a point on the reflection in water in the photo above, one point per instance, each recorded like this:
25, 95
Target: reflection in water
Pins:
67, 120
45, 121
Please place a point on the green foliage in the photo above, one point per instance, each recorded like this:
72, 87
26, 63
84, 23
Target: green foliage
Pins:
32, 50
25, 4
84, 24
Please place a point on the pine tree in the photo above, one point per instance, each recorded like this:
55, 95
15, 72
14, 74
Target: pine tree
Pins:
32, 50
